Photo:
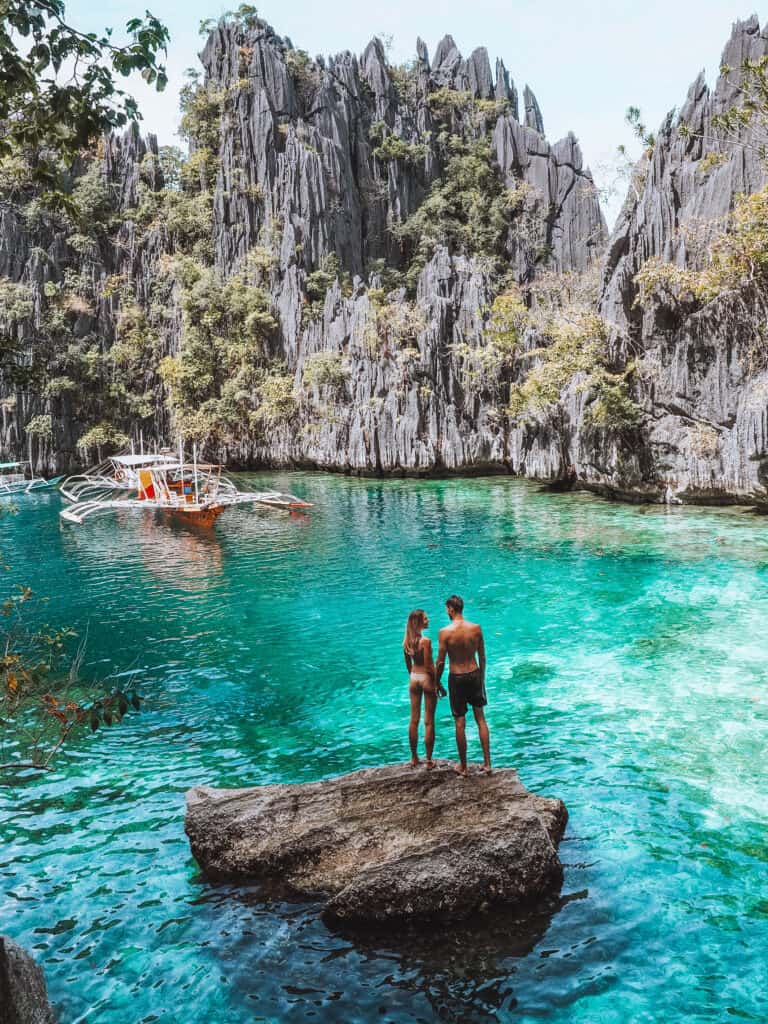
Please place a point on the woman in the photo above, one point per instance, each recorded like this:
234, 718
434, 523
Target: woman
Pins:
421, 670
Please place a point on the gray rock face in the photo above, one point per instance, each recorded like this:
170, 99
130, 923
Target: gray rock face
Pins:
297, 173
300, 175
23, 996
400, 412
705, 397
386, 844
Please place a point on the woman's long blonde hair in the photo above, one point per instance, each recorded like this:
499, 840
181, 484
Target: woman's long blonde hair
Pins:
413, 625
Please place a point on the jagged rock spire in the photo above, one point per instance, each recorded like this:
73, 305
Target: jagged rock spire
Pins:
533, 118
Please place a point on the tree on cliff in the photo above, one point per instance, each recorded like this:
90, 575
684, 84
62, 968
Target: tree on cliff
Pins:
58, 85
727, 256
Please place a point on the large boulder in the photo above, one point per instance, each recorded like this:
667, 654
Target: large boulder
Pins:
386, 844
23, 996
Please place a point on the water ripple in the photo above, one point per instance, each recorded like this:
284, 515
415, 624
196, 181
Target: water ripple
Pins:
627, 649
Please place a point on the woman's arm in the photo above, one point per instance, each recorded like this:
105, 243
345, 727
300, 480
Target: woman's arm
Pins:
407, 661
429, 663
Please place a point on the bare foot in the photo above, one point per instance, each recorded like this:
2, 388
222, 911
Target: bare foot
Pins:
461, 770
415, 762
486, 770
430, 765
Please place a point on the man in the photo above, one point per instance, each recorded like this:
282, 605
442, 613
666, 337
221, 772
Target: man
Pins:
462, 641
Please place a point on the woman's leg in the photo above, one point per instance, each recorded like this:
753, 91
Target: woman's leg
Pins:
413, 726
430, 702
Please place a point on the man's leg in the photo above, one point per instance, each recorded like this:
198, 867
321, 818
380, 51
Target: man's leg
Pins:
430, 702
413, 726
461, 744
485, 738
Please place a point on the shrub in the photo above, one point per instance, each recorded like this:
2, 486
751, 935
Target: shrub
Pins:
572, 347
613, 407
466, 209
445, 103
573, 352
40, 426
219, 369
392, 147
93, 198
735, 259
58, 386
324, 368
392, 325
304, 73
201, 110
277, 400
16, 303
103, 435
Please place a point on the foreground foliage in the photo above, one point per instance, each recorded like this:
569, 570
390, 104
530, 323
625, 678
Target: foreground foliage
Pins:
59, 89
44, 702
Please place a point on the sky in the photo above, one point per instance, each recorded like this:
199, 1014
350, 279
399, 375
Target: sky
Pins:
586, 61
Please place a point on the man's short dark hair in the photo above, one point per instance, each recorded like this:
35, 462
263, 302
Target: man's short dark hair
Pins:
455, 603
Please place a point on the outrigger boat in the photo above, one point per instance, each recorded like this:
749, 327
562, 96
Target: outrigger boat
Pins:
196, 492
120, 472
14, 479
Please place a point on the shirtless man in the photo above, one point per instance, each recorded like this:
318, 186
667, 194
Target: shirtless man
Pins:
461, 641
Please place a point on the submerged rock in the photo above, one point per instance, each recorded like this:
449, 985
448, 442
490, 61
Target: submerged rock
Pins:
386, 844
23, 996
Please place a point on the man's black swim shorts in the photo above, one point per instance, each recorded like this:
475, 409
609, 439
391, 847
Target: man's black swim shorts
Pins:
466, 688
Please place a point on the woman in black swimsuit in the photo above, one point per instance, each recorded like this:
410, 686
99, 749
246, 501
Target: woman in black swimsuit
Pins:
421, 675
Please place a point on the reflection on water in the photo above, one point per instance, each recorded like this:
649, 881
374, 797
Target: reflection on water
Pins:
627, 649
181, 555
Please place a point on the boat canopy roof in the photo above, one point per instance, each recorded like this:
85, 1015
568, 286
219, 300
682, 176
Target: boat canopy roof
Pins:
145, 460
12, 465
166, 467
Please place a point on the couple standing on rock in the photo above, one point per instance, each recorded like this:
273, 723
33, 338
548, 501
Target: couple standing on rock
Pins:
462, 643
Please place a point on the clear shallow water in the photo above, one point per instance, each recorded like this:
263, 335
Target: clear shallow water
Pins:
628, 651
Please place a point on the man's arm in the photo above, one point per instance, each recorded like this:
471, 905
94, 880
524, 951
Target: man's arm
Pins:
440, 663
481, 653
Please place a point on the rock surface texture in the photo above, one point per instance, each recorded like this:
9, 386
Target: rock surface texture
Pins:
312, 167
386, 844
303, 174
704, 395
23, 996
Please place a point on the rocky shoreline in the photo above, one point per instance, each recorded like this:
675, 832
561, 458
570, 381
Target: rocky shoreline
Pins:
23, 994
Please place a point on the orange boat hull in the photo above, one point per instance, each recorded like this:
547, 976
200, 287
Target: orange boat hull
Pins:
199, 516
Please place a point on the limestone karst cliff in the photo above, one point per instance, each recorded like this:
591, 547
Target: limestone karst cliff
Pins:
301, 173
701, 378
316, 283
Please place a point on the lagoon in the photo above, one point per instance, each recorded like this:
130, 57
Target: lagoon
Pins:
627, 675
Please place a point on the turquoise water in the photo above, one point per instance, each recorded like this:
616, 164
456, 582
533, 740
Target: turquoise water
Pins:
628, 651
